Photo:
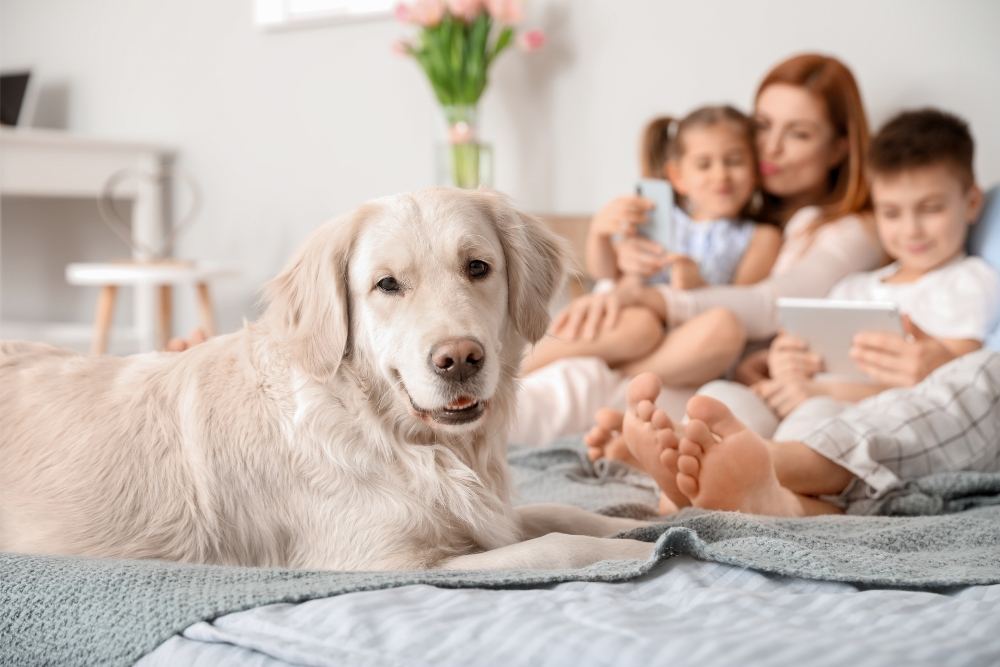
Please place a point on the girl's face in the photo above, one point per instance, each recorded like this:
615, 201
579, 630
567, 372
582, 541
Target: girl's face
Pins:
715, 172
796, 142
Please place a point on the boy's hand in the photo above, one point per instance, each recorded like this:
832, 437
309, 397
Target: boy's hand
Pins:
621, 216
752, 369
783, 396
640, 256
789, 358
896, 360
684, 273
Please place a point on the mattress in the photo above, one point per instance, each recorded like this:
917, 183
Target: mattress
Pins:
686, 612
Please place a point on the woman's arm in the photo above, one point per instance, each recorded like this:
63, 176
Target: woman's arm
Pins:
839, 248
755, 266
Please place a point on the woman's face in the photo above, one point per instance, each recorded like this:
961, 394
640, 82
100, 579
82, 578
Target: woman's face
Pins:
796, 142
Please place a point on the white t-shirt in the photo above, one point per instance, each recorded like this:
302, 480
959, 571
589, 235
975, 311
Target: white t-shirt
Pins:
960, 300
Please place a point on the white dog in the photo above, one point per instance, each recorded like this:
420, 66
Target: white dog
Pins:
360, 424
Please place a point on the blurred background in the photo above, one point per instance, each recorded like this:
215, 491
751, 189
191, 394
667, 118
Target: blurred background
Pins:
284, 128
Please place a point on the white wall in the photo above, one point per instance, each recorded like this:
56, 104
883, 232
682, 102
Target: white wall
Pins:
283, 130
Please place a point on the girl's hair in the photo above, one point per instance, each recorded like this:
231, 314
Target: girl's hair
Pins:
663, 141
831, 81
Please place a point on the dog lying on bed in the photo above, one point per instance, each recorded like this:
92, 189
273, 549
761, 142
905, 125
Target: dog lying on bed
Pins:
360, 424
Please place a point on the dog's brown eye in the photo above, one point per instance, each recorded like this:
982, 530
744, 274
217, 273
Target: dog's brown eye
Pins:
389, 285
478, 269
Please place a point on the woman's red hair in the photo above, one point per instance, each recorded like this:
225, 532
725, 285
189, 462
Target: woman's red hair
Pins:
831, 81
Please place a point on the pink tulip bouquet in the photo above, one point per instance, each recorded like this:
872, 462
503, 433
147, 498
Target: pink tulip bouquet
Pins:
456, 43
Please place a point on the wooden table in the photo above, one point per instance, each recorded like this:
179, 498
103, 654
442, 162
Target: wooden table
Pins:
48, 163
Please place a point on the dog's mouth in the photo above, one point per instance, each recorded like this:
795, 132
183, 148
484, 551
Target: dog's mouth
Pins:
462, 410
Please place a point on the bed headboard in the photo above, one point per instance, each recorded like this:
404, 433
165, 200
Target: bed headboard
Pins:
572, 228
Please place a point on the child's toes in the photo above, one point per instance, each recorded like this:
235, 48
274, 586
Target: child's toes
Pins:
597, 437
608, 419
687, 485
687, 447
644, 410
689, 465
668, 457
645, 386
698, 433
665, 439
661, 420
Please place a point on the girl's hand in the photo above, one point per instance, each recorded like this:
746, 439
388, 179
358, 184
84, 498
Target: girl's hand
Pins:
641, 257
621, 216
783, 396
789, 358
896, 360
684, 273
587, 316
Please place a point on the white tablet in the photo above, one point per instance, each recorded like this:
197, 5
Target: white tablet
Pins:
829, 326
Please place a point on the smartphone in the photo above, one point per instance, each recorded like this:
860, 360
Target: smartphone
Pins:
660, 227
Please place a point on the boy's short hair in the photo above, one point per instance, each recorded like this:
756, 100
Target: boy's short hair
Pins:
923, 138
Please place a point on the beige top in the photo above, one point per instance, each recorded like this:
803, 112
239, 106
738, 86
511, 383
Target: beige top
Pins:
811, 261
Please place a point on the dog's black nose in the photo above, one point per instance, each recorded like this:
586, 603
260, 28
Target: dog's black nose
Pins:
457, 359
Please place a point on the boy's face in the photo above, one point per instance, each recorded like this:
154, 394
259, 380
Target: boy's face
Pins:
923, 215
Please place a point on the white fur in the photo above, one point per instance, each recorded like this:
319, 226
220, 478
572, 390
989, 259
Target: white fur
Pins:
295, 441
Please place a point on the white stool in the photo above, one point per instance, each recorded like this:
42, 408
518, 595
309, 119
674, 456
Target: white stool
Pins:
162, 274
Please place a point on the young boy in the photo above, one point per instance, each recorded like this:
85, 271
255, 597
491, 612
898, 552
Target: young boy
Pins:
925, 199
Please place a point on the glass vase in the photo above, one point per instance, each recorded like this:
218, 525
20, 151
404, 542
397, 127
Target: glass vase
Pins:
462, 160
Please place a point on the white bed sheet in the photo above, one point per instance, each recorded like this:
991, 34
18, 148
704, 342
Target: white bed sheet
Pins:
686, 612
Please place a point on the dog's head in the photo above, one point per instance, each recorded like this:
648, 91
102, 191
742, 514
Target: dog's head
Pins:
430, 295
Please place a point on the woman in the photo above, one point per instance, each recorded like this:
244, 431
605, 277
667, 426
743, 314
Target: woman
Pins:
812, 139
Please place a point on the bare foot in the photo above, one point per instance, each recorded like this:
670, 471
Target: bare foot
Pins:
196, 337
605, 441
724, 465
649, 435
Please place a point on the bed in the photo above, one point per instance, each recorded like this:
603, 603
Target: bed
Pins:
724, 589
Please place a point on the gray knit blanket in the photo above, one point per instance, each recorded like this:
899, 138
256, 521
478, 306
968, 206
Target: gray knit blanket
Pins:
77, 611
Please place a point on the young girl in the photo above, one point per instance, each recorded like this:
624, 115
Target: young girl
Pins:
709, 158
812, 137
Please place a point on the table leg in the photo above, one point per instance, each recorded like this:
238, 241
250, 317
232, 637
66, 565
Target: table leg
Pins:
166, 316
102, 322
205, 309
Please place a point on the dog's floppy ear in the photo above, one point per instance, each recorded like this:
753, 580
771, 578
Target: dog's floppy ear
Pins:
308, 302
536, 261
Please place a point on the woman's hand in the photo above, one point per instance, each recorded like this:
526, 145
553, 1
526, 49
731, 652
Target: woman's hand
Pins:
899, 361
783, 396
621, 216
639, 256
789, 358
589, 315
